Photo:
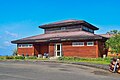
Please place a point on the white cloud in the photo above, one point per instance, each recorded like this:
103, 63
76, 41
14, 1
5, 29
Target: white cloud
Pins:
11, 34
1, 47
0, 36
7, 43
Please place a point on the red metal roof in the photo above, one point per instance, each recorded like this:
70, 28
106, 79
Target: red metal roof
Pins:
76, 35
68, 23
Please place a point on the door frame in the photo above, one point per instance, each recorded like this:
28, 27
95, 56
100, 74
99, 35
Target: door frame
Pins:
55, 50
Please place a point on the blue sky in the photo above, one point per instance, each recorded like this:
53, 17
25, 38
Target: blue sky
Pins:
21, 18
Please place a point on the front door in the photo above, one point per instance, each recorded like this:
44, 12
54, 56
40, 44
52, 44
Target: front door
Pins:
58, 50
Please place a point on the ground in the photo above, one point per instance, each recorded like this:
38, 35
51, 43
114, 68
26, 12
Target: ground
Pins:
25, 70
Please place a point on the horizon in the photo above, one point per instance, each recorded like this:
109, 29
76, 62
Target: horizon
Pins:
20, 19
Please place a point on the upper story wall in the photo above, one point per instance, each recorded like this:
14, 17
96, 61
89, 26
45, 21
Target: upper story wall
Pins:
68, 25
68, 28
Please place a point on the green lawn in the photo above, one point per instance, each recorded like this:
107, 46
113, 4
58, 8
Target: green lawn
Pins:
89, 60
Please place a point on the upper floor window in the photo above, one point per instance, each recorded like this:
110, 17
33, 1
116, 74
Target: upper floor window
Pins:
90, 30
77, 43
25, 45
63, 28
90, 43
87, 29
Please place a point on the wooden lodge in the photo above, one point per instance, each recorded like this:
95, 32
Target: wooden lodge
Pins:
65, 38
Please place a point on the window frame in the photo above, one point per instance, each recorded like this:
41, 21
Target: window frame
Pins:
90, 42
78, 43
63, 28
25, 45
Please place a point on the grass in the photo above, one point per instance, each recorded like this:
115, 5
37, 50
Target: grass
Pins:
106, 60
21, 58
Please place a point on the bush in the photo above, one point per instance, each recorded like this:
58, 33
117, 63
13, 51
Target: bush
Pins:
2, 57
9, 57
31, 57
19, 57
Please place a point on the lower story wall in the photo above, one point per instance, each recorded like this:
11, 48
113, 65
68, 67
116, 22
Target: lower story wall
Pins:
67, 49
34, 50
40, 49
26, 51
79, 51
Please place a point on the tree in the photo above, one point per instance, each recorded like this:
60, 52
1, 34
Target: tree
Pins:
113, 32
15, 52
114, 42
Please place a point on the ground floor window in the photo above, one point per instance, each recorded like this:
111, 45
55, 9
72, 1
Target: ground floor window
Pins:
77, 43
25, 45
90, 43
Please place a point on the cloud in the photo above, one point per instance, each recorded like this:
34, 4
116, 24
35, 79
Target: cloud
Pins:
2, 47
0, 36
11, 34
7, 43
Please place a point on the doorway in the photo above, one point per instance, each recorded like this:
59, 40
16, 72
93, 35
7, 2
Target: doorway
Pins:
58, 50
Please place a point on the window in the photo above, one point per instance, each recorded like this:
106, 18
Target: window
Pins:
90, 30
63, 28
87, 29
90, 43
25, 45
77, 43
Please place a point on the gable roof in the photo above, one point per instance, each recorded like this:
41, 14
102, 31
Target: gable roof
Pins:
61, 36
68, 23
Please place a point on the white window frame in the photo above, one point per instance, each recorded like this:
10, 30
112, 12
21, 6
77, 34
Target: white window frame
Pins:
25, 45
77, 43
63, 28
90, 42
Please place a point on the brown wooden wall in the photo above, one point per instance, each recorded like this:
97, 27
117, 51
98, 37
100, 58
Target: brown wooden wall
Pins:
67, 49
35, 50
101, 48
68, 28
25, 51
79, 51
51, 49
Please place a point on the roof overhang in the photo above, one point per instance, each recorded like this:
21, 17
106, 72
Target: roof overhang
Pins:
69, 23
58, 39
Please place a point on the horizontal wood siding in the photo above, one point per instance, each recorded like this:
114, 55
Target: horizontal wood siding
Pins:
25, 51
51, 49
101, 49
41, 48
80, 51
68, 28
67, 49
35, 50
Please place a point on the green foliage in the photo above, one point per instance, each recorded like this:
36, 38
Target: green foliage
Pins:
114, 43
113, 32
91, 60
31, 57
19, 57
2, 57
9, 57
15, 52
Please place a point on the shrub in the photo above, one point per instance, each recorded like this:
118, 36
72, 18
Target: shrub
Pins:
9, 57
31, 57
19, 57
60, 58
2, 57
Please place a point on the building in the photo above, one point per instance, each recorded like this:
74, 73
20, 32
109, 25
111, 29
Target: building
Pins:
64, 38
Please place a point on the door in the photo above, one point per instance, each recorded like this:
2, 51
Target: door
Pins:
58, 50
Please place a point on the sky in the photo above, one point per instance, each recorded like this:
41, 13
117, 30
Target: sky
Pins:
21, 18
